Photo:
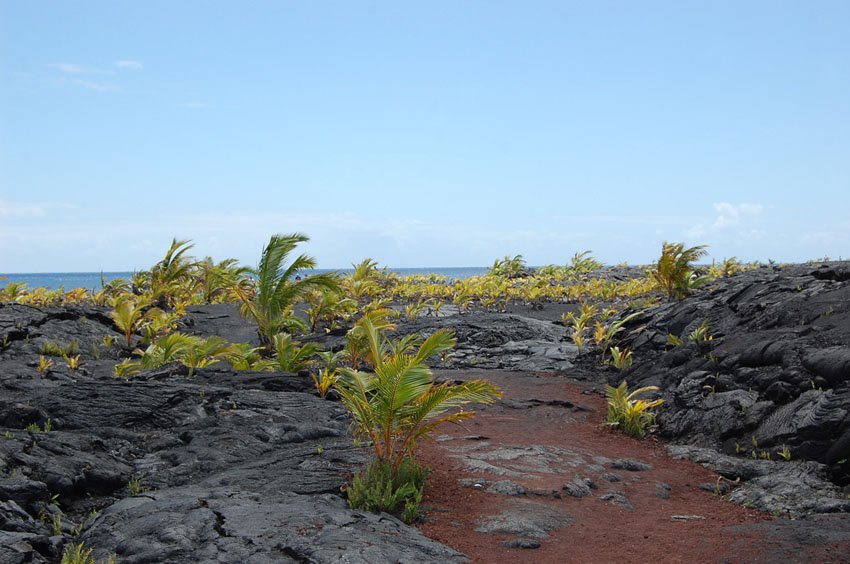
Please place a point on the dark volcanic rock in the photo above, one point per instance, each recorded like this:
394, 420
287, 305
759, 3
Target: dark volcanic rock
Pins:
796, 488
229, 524
773, 382
579, 487
776, 373
630, 465
528, 520
247, 466
832, 363
222, 320
229, 466
503, 341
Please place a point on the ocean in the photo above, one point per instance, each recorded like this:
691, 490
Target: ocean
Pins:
92, 280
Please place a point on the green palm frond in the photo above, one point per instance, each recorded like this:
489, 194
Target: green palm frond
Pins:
170, 348
290, 355
278, 287
399, 403
673, 271
169, 277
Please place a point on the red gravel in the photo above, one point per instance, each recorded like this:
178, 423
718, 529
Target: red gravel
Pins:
598, 531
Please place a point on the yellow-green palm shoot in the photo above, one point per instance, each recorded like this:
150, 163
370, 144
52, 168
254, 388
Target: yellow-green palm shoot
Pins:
399, 403
673, 271
633, 416
620, 359
172, 275
290, 355
325, 380
44, 364
73, 361
128, 313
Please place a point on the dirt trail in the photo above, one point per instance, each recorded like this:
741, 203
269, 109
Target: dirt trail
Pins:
537, 477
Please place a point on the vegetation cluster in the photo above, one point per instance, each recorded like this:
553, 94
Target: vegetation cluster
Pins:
384, 382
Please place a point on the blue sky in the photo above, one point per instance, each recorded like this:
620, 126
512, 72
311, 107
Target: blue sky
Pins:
422, 134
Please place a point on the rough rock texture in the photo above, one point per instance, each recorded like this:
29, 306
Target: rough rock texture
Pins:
503, 341
775, 373
248, 466
794, 488
228, 466
223, 524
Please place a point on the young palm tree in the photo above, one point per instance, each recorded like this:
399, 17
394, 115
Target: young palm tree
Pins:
365, 270
169, 276
508, 267
291, 356
13, 291
673, 270
357, 339
128, 314
400, 403
329, 306
279, 286
214, 280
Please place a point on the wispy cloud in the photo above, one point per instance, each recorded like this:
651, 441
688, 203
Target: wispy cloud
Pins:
46, 235
69, 68
75, 72
98, 86
129, 64
730, 214
727, 216
74, 68
12, 209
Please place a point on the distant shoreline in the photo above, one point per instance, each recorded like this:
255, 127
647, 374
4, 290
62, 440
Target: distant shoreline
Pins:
92, 280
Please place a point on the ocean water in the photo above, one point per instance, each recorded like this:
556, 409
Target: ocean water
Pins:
92, 280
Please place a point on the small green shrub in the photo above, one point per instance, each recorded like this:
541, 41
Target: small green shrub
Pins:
381, 488
34, 428
56, 524
49, 348
135, 485
79, 554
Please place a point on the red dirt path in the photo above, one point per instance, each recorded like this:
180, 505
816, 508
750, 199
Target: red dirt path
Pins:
544, 447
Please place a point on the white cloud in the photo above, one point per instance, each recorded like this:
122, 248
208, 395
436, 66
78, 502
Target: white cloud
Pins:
128, 64
69, 68
74, 68
730, 214
40, 236
696, 231
24, 210
826, 237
